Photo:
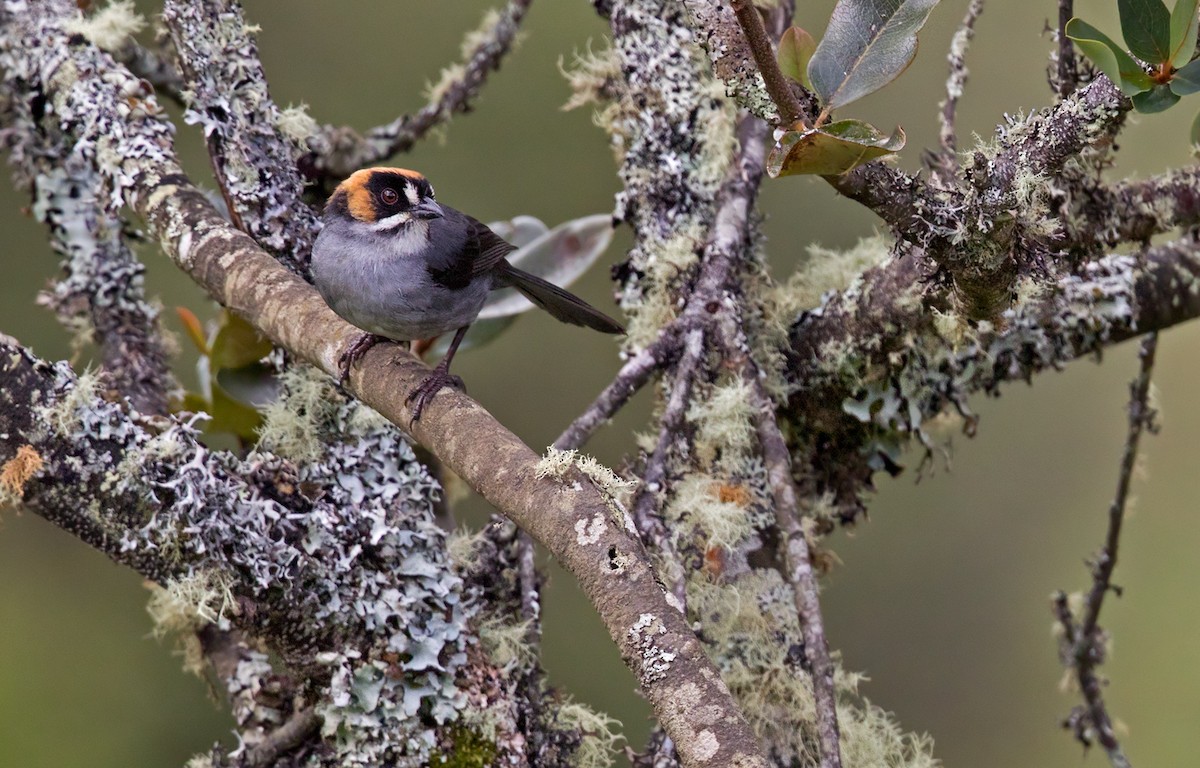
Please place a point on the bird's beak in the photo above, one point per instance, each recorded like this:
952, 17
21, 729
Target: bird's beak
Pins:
428, 209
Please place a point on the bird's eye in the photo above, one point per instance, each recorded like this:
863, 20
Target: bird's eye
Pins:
389, 196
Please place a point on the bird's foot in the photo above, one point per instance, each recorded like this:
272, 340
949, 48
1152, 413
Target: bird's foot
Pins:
355, 353
430, 386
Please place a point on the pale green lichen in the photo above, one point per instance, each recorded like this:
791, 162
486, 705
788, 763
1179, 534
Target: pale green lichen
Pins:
292, 422
827, 270
556, 463
190, 602
111, 27
296, 124
506, 641
481, 35
699, 502
724, 419
591, 76
601, 734
63, 416
463, 547
187, 604
750, 628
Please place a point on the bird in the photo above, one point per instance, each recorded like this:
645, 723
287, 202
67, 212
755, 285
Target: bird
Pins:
400, 266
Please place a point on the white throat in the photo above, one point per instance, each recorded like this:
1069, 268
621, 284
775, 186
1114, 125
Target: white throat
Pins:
403, 235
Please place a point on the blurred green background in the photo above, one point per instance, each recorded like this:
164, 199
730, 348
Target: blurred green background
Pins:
942, 598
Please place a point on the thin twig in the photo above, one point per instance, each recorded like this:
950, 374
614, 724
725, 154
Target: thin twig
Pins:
798, 561
346, 151
1085, 640
284, 739
1068, 74
647, 505
778, 86
154, 65
947, 162
530, 585
632, 377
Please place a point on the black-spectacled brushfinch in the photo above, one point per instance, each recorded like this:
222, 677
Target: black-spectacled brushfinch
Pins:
398, 265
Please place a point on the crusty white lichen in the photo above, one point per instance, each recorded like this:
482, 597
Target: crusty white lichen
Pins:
654, 661
672, 129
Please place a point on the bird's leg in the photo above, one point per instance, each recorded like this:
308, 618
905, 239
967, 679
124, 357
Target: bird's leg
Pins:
438, 378
355, 353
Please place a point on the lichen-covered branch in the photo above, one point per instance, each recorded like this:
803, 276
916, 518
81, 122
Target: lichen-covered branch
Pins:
873, 362
1066, 68
280, 551
339, 151
252, 143
1133, 210
100, 296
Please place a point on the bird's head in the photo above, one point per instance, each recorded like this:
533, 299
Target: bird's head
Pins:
384, 199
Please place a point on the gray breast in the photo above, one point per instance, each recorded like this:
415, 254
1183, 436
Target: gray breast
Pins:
383, 290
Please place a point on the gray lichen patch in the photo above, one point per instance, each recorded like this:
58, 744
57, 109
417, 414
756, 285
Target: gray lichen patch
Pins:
654, 661
341, 560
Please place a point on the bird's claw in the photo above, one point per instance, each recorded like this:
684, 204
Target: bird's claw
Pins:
430, 386
354, 353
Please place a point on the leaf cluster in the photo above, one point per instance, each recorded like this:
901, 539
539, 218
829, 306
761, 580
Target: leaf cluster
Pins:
868, 44
1165, 43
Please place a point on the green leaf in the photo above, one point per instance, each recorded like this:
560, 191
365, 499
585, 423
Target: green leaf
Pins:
1109, 58
867, 44
238, 344
254, 385
1146, 25
832, 149
1196, 131
795, 50
1186, 81
228, 415
1156, 99
1184, 24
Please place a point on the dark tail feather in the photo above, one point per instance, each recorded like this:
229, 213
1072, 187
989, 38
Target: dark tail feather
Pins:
563, 305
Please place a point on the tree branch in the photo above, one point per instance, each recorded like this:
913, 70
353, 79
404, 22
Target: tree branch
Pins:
1068, 71
895, 367
761, 47
253, 161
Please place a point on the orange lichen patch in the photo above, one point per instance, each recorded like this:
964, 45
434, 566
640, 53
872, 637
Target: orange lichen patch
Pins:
17, 470
736, 494
714, 561
359, 199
